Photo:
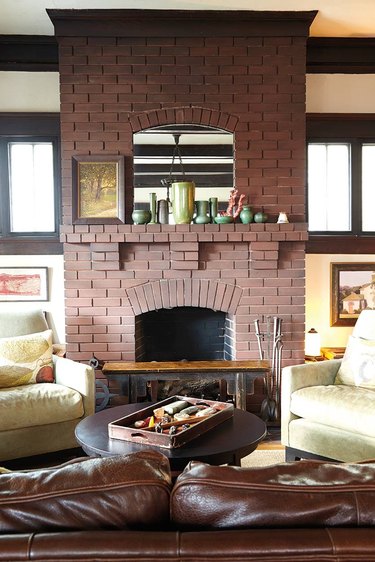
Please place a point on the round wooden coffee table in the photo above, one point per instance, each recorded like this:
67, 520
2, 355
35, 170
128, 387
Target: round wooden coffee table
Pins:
227, 443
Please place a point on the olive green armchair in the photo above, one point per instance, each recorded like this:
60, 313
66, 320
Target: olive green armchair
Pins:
41, 418
328, 407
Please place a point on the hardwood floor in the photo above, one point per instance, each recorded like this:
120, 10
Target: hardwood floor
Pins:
272, 440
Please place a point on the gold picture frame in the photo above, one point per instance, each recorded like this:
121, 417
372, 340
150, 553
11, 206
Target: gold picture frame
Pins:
98, 189
352, 290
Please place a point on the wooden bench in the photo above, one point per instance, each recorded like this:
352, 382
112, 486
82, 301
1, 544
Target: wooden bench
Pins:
134, 375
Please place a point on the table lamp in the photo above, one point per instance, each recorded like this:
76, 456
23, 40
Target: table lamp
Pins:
312, 343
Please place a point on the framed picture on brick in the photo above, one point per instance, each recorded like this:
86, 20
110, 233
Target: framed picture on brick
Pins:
352, 290
98, 189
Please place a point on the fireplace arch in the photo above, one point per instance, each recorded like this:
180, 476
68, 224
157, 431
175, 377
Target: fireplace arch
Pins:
171, 293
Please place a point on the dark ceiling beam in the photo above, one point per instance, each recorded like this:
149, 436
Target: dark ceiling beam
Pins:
31, 53
344, 55
351, 55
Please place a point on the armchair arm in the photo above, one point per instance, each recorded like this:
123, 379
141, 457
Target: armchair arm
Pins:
79, 377
301, 376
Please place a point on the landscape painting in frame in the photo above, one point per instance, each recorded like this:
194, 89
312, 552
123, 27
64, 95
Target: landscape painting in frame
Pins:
23, 284
352, 290
98, 189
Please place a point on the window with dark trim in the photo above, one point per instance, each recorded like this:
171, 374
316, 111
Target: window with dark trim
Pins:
29, 183
341, 175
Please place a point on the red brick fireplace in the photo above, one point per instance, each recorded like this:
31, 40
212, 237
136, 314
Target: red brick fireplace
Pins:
123, 71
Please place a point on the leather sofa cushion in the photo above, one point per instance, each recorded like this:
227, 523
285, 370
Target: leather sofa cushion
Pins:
337, 405
299, 494
38, 404
130, 491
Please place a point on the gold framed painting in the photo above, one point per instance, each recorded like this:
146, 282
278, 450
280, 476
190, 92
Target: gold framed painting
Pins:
98, 189
352, 290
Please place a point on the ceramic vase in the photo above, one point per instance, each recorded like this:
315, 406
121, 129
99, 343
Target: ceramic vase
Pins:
163, 211
246, 214
141, 216
213, 208
153, 208
183, 194
202, 216
283, 218
260, 217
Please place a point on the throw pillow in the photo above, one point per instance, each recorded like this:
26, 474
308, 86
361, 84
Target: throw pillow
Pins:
358, 364
26, 359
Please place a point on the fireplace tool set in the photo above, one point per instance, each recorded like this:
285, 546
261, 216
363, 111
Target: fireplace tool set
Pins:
272, 341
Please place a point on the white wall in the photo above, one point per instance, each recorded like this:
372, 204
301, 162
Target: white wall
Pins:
34, 92
29, 91
333, 93
340, 93
55, 305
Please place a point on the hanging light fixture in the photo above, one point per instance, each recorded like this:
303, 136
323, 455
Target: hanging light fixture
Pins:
167, 182
183, 192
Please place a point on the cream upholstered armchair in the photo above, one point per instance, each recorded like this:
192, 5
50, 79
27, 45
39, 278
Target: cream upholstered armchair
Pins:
37, 416
328, 407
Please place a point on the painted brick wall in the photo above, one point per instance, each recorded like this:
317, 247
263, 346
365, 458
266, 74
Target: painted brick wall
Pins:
252, 86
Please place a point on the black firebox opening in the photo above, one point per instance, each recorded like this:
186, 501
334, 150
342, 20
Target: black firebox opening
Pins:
183, 333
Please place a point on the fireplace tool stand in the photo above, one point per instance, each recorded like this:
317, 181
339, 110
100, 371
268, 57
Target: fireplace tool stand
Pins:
271, 339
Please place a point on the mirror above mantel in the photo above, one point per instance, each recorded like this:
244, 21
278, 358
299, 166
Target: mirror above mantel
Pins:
206, 156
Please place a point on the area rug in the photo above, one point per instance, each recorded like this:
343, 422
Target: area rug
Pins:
263, 457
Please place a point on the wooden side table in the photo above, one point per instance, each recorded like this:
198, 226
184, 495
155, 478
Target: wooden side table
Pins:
327, 354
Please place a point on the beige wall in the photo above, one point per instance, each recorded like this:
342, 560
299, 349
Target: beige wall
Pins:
318, 293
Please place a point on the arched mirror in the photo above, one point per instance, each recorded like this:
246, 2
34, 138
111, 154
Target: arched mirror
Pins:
206, 157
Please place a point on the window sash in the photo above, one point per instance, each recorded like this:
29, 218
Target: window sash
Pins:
329, 187
368, 187
31, 187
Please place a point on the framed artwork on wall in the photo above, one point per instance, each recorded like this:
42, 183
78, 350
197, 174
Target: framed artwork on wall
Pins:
352, 290
23, 284
98, 189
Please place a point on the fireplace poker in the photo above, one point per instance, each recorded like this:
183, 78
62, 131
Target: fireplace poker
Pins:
270, 405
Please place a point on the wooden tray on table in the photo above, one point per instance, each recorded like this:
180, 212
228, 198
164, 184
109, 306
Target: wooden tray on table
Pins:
125, 430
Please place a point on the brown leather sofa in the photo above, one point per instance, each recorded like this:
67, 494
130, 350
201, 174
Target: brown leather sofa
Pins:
127, 509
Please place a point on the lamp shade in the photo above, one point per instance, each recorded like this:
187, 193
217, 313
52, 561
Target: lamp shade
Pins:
312, 343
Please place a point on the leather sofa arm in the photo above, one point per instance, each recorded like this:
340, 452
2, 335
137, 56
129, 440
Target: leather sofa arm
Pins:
295, 377
79, 377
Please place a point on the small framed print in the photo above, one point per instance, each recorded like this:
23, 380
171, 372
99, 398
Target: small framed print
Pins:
352, 290
98, 189
23, 284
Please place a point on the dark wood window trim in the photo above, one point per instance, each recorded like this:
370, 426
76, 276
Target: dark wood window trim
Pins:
354, 128
33, 126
